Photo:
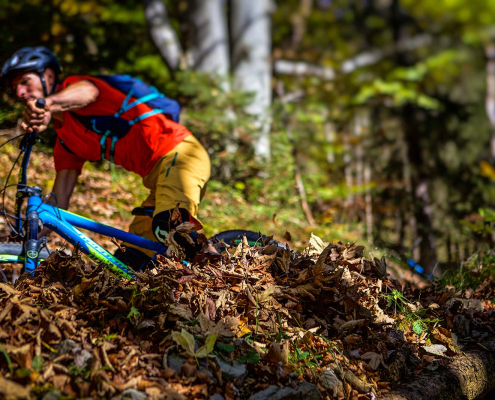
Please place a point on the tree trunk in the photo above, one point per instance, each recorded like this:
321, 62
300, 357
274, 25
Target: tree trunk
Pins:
210, 44
360, 131
299, 19
421, 198
251, 51
490, 94
163, 34
490, 100
349, 178
297, 165
406, 176
468, 377
368, 202
413, 129
330, 136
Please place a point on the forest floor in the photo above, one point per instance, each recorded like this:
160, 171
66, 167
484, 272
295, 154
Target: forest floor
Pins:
262, 322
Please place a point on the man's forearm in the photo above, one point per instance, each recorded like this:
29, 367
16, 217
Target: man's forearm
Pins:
73, 97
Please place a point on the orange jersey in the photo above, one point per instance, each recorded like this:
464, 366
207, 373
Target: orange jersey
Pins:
138, 151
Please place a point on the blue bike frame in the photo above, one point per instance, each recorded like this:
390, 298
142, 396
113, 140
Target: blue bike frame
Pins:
64, 223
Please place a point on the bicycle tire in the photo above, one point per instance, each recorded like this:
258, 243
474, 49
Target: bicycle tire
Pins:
17, 249
236, 236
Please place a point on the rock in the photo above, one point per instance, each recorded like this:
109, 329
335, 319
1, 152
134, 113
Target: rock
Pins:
83, 359
131, 394
175, 362
265, 394
462, 326
395, 337
232, 372
68, 346
354, 353
306, 391
55, 395
330, 382
472, 304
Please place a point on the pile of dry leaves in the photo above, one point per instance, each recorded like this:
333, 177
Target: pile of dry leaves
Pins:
255, 322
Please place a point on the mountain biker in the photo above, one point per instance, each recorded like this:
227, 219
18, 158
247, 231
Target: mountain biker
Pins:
174, 166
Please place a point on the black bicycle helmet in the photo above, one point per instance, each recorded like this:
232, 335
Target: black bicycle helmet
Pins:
36, 59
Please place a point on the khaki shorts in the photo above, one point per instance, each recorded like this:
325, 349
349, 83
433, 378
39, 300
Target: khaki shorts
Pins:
178, 178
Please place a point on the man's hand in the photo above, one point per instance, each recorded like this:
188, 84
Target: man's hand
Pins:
35, 118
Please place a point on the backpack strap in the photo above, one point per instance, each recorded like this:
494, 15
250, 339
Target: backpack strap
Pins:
112, 148
145, 115
103, 144
126, 106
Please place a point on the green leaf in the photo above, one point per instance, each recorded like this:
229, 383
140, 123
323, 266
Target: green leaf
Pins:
37, 363
301, 355
208, 346
186, 340
134, 313
252, 357
9, 361
226, 348
22, 373
418, 327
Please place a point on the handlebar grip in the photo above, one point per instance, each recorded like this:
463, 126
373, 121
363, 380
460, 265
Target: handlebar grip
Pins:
40, 103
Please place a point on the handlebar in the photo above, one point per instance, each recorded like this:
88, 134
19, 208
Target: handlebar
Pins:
40, 103
26, 145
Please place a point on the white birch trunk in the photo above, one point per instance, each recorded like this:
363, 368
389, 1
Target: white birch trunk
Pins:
210, 44
368, 200
163, 34
331, 137
251, 51
490, 93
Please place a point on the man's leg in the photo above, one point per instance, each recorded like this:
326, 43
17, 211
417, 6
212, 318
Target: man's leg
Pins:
180, 185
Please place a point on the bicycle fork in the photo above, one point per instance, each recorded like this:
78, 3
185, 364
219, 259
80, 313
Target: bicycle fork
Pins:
32, 245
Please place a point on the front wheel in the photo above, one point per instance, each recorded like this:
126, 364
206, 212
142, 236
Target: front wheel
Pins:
235, 237
14, 253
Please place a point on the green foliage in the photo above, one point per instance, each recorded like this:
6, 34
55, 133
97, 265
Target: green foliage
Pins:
37, 363
440, 84
251, 357
226, 348
408, 317
7, 357
473, 271
134, 314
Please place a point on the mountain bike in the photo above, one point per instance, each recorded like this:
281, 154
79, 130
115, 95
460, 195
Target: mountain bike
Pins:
30, 251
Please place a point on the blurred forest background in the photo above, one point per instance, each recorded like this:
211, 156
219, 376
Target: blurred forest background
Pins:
368, 120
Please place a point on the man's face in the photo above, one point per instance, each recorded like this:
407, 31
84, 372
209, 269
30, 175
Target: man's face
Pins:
27, 86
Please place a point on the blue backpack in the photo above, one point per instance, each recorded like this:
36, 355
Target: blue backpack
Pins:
115, 127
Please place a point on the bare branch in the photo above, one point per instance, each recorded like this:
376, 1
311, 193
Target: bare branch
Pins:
287, 67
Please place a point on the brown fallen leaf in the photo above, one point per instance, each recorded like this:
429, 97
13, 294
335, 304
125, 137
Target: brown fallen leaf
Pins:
374, 359
278, 352
13, 391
